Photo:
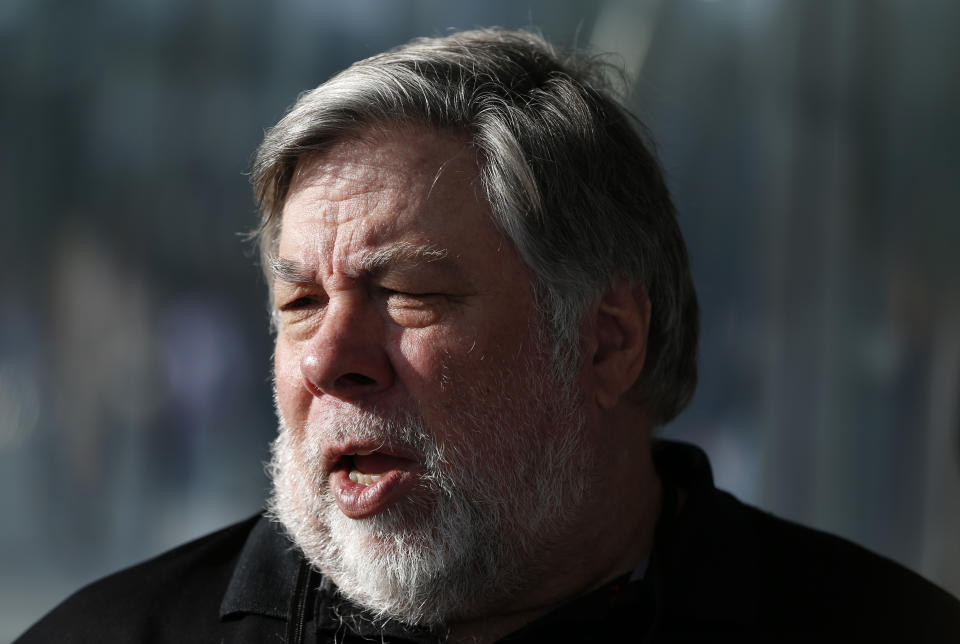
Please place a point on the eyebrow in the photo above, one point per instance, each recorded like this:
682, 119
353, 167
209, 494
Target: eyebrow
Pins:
401, 253
287, 270
370, 262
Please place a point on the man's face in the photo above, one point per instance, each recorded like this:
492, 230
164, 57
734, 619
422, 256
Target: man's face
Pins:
426, 457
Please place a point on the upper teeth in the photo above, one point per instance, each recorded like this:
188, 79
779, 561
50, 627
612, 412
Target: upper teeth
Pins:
364, 479
364, 453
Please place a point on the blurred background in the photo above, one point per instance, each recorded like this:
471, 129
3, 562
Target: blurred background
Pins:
812, 150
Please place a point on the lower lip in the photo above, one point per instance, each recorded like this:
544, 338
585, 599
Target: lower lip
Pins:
357, 501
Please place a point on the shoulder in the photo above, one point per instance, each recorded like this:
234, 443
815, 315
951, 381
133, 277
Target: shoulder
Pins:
806, 579
728, 566
157, 600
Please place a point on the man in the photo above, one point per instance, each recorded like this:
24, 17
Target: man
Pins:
483, 308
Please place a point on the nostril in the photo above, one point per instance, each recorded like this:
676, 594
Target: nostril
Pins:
355, 379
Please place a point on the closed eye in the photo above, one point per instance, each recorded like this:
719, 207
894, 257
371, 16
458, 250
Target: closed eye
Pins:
414, 310
390, 291
303, 302
406, 297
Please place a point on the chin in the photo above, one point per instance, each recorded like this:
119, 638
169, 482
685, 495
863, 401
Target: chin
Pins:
417, 562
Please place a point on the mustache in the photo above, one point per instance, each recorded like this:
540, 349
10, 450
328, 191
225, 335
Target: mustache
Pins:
397, 430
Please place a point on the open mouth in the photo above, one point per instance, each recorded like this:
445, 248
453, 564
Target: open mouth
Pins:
366, 468
366, 481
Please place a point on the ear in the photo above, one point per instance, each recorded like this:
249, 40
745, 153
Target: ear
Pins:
621, 327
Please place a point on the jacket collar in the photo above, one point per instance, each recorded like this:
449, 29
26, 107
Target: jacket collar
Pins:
703, 562
266, 581
263, 580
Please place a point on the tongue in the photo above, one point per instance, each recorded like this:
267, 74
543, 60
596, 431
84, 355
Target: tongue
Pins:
377, 463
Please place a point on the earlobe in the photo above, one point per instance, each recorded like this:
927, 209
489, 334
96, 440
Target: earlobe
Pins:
622, 325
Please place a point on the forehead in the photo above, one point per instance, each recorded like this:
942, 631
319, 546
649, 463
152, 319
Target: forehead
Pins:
374, 160
411, 185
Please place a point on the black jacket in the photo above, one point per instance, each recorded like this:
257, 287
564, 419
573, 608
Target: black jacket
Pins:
720, 571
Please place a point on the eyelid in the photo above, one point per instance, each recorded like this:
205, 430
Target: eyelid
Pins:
424, 298
299, 298
297, 302
411, 293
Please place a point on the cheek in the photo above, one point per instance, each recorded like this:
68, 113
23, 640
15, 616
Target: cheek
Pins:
286, 371
285, 359
419, 356
435, 363
449, 371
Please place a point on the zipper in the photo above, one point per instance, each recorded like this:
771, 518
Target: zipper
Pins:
298, 604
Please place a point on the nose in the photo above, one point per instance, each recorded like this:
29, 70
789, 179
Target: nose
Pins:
345, 358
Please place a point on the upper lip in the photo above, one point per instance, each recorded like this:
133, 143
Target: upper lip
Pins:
332, 454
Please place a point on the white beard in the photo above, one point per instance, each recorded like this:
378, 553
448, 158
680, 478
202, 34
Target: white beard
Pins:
494, 501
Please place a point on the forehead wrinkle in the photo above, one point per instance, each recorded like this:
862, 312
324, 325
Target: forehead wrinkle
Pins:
367, 261
350, 170
349, 181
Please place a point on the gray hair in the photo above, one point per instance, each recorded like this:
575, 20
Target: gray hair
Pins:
569, 173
